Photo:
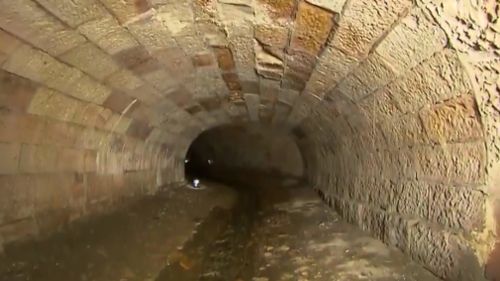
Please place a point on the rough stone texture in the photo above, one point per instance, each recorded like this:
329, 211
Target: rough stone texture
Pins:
394, 106
40, 28
354, 36
90, 59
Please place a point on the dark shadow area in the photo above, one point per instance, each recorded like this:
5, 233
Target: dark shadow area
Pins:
230, 153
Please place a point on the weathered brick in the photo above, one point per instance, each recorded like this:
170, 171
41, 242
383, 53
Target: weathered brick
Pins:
60, 134
232, 81
107, 33
334, 6
126, 10
89, 115
267, 65
17, 193
280, 8
411, 42
124, 80
39, 28
380, 106
146, 94
20, 128
455, 120
281, 112
352, 87
406, 130
460, 163
467, 162
238, 19
76, 12
161, 80
40, 67
22, 230
413, 199
178, 17
332, 66
118, 102
375, 73
243, 52
118, 124
252, 102
90, 161
432, 248
8, 44
364, 21
38, 158
288, 96
16, 92
139, 129
192, 44
151, 32
10, 153
458, 208
312, 28
439, 78
271, 35
224, 58
203, 59
91, 60
88, 89
446, 255
396, 231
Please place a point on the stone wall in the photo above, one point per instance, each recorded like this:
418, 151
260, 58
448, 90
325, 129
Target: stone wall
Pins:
64, 158
250, 148
408, 133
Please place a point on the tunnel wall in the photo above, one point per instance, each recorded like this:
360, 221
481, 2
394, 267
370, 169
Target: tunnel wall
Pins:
251, 147
403, 145
70, 147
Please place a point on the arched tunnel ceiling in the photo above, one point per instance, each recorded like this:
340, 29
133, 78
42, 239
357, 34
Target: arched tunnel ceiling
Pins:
179, 67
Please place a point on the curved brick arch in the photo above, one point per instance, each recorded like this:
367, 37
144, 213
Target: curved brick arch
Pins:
394, 105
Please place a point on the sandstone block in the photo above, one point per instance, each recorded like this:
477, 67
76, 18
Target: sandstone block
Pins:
40, 67
455, 120
10, 154
91, 60
364, 21
312, 28
107, 33
457, 207
439, 78
39, 28
51, 104
74, 13
126, 10
411, 42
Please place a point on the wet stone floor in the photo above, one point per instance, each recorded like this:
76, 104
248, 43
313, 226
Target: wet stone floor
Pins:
276, 230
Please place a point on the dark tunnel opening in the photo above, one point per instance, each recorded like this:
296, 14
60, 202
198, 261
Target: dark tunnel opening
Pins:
238, 153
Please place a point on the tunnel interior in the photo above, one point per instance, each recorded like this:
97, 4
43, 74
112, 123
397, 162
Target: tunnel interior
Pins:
383, 114
244, 149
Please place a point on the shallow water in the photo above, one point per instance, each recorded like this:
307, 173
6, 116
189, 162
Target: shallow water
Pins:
274, 229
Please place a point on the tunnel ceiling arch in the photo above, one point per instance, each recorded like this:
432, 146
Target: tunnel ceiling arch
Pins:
409, 87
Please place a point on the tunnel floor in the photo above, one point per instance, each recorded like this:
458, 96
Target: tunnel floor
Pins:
278, 230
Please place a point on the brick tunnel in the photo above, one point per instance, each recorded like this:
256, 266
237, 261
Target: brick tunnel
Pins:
333, 140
